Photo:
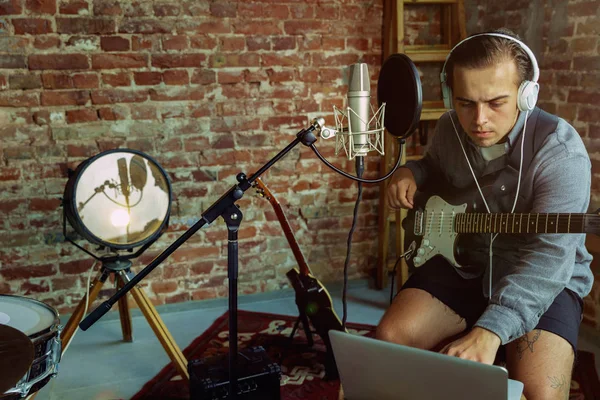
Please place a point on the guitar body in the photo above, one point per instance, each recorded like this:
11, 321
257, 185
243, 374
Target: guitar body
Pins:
437, 238
313, 300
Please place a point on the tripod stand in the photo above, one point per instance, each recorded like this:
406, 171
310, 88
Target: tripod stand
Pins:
122, 274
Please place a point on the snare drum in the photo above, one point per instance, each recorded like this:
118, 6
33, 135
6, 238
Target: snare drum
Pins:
41, 324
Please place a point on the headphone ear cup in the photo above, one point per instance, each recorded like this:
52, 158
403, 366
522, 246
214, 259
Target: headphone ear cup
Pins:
447, 95
528, 95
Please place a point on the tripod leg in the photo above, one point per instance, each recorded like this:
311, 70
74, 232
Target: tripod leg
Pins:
125, 315
71, 325
160, 330
306, 327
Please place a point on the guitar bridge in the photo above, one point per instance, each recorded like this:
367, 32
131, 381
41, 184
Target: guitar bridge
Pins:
419, 220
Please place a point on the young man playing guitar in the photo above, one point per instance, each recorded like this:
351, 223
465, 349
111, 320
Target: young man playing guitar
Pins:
522, 292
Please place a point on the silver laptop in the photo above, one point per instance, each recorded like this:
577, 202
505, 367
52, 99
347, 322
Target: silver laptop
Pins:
373, 369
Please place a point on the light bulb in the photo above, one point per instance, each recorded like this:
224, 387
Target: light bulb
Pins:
119, 218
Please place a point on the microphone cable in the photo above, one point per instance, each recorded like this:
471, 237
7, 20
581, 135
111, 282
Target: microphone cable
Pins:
360, 168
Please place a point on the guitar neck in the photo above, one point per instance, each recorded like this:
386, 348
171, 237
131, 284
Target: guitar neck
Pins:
287, 230
526, 223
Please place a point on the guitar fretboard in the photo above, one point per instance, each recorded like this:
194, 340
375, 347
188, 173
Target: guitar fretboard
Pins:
523, 223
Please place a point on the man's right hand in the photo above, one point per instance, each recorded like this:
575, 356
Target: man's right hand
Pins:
402, 188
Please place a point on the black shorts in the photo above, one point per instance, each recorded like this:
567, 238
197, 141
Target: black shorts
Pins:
465, 297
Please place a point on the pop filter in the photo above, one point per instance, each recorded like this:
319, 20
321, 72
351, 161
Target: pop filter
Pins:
399, 87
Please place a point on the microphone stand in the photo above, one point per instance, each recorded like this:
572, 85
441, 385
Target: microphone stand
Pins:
224, 207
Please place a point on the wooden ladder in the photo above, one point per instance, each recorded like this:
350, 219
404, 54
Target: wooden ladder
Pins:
453, 30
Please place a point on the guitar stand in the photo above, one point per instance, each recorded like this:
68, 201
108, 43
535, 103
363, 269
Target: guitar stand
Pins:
331, 372
122, 274
306, 326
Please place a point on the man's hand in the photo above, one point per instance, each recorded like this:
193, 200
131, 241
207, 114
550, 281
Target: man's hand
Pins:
478, 345
401, 189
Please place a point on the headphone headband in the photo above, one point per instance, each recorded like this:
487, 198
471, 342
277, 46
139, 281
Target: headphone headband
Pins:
528, 90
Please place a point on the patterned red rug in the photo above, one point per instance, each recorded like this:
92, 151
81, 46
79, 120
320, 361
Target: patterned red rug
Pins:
302, 367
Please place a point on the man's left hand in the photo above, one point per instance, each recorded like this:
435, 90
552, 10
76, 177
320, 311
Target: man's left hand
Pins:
478, 345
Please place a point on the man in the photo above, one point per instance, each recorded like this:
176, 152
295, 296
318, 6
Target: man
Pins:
533, 302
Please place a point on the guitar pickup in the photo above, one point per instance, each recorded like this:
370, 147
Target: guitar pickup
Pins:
419, 221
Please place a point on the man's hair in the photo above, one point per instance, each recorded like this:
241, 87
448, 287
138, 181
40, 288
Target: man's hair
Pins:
485, 51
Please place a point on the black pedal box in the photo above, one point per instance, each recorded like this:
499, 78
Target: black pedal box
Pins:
258, 377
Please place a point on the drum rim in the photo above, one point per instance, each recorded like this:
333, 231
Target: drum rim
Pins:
54, 311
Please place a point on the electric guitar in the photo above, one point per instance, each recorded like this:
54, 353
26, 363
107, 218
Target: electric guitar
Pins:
313, 300
436, 229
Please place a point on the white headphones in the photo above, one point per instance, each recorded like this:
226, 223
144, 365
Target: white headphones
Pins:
528, 91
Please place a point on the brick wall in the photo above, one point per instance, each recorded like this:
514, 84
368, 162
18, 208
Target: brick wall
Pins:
209, 89
564, 35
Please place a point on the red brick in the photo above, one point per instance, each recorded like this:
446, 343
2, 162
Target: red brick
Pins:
235, 60
223, 9
107, 7
41, 117
176, 77
17, 99
5, 288
46, 42
584, 97
112, 114
302, 11
75, 267
85, 81
167, 10
29, 271
164, 287
204, 77
41, 6
204, 294
252, 10
285, 75
112, 96
178, 60
67, 282
215, 27
117, 79
203, 42
9, 174
65, 98
276, 59
232, 44
585, 9
13, 61
52, 80
85, 25
256, 43
145, 43
143, 112
175, 94
112, 61
44, 204
114, 43
177, 42
58, 61
24, 82
9, 206
146, 78
32, 26
81, 115
73, 7
74, 150
257, 28
230, 77
30, 288
587, 63
146, 26
301, 27
585, 44
11, 7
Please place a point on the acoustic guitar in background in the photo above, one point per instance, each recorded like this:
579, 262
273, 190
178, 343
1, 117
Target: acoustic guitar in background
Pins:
313, 301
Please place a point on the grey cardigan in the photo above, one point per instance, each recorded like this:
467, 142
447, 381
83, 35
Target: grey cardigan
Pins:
529, 271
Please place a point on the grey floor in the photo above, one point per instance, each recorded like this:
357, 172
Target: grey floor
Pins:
98, 365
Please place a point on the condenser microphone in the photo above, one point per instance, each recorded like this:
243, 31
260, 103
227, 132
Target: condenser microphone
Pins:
359, 103
358, 128
123, 177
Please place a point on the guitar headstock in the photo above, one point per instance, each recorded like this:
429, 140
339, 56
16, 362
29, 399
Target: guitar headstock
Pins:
262, 189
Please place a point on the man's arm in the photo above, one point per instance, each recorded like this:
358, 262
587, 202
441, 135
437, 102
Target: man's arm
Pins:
547, 261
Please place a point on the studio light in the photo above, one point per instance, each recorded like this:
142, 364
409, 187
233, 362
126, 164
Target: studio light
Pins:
119, 200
